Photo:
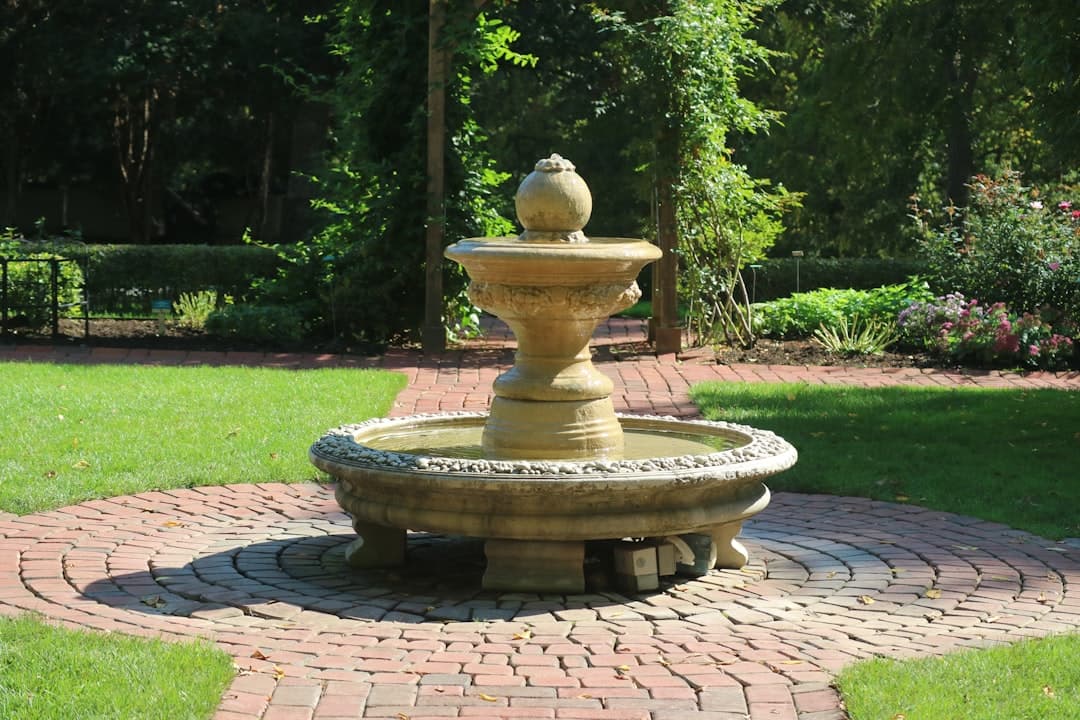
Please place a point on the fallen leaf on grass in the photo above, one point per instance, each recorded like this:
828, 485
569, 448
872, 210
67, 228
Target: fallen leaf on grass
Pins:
1048, 691
81, 465
899, 716
50, 474
902, 498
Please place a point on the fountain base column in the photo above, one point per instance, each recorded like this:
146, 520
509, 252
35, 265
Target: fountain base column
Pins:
535, 566
375, 546
563, 430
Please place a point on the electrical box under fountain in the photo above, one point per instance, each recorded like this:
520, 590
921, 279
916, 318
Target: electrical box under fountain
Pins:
552, 465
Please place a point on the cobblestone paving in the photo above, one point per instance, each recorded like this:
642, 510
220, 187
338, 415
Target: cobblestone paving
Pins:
259, 570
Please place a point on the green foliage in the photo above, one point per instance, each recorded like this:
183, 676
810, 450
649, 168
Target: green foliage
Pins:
1012, 244
857, 337
260, 324
193, 309
170, 99
52, 673
886, 98
361, 275
802, 313
685, 63
30, 280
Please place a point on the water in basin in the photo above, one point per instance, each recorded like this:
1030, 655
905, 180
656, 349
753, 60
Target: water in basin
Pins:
462, 440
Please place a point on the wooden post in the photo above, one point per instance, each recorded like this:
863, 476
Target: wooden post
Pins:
433, 338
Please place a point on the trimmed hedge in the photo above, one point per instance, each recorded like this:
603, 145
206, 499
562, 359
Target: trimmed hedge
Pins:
776, 276
126, 278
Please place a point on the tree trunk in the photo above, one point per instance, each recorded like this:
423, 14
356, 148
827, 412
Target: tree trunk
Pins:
961, 74
434, 330
666, 330
133, 133
264, 181
11, 180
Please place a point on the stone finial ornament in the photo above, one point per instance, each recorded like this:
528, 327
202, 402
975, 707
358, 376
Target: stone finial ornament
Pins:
553, 203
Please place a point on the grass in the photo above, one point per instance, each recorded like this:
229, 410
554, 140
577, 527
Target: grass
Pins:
1008, 456
47, 673
1032, 680
70, 433
1003, 455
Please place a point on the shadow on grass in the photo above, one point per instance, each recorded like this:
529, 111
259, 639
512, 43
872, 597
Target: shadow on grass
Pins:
1002, 455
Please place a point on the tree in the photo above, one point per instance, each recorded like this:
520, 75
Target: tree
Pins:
685, 60
890, 98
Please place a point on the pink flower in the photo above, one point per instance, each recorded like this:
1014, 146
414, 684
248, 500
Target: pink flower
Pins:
1036, 205
1076, 214
1033, 350
1054, 265
1064, 205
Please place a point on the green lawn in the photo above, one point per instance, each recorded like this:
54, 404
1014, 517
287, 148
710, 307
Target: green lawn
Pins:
70, 433
47, 673
1004, 455
1032, 680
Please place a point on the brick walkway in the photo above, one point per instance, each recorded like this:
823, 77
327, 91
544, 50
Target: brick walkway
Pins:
259, 569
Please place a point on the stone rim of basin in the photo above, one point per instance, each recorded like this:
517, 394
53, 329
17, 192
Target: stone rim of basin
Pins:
768, 452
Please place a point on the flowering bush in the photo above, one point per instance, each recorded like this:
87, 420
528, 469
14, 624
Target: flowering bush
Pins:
965, 331
1011, 244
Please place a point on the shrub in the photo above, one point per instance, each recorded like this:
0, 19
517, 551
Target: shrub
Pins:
803, 313
125, 278
1010, 245
258, 323
29, 283
193, 309
776, 277
857, 337
966, 331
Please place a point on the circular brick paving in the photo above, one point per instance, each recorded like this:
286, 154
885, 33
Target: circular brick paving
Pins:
259, 570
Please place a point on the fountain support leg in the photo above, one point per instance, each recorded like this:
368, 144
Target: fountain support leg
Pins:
535, 565
375, 546
730, 553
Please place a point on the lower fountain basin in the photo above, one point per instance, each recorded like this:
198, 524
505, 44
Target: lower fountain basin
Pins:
425, 473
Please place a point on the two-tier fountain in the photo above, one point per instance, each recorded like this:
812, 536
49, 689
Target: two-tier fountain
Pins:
551, 465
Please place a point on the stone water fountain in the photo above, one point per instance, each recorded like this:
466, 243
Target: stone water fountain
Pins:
552, 465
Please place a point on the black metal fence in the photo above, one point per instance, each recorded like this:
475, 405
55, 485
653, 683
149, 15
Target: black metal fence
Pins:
32, 301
